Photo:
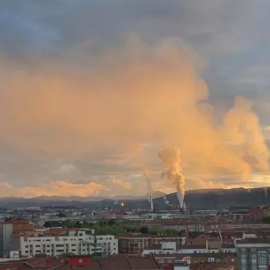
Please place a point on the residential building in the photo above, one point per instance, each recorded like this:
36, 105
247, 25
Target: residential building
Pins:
199, 259
193, 249
228, 248
166, 247
135, 243
77, 242
21, 225
83, 263
253, 253
256, 213
5, 239
201, 239
240, 216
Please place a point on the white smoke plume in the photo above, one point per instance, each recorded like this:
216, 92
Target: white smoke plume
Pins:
171, 159
148, 176
165, 200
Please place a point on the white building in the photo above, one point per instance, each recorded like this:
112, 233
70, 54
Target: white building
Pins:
166, 247
228, 248
6, 230
192, 249
75, 241
180, 266
253, 254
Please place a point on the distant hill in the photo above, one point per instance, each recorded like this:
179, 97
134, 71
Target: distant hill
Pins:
194, 199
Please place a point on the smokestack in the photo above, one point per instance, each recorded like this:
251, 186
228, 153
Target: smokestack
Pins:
171, 159
151, 202
148, 176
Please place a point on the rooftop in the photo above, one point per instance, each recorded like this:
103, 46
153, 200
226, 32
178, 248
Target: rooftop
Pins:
112, 263
253, 241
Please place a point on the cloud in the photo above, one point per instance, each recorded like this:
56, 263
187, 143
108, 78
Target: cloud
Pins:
121, 183
65, 168
71, 90
57, 188
139, 94
6, 190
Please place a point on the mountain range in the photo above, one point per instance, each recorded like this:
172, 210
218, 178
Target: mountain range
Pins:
194, 199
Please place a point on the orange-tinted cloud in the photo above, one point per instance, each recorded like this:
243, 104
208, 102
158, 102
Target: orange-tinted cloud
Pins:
57, 188
122, 183
139, 94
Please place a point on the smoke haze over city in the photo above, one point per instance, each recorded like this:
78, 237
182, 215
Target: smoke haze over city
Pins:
92, 90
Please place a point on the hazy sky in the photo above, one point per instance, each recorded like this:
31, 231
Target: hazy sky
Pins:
90, 90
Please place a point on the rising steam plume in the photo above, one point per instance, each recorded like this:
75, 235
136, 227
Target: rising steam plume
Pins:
148, 176
171, 159
143, 93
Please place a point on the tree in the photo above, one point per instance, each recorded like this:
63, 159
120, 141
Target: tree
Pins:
61, 214
266, 220
77, 224
171, 232
144, 230
111, 222
48, 224
156, 231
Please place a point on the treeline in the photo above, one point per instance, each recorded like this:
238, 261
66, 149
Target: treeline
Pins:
109, 227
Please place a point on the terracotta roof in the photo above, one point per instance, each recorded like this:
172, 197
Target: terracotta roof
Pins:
253, 241
211, 266
143, 263
153, 247
225, 245
193, 247
115, 263
126, 235
205, 255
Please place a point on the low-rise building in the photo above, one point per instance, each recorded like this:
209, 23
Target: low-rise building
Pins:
253, 253
135, 243
83, 263
21, 225
74, 241
5, 239
166, 247
199, 259
228, 248
193, 249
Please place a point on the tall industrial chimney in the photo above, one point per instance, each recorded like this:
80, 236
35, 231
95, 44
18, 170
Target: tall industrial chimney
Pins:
151, 202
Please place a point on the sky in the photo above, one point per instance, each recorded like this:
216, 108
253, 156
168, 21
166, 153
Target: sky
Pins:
91, 90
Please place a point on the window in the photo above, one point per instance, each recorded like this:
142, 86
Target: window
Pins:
262, 261
262, 253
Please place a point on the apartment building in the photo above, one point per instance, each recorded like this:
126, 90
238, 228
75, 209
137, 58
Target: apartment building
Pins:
5, 239
199, 259
254, 254
77, 242
167, 247
135, 243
